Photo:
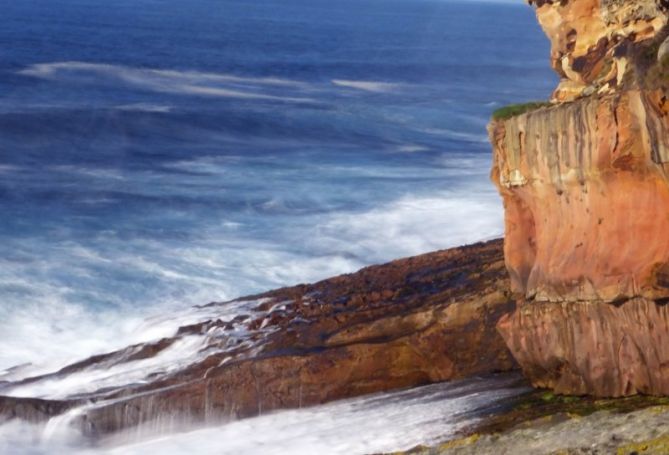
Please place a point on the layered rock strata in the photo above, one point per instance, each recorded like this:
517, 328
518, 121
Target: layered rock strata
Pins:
586, 195
414, 321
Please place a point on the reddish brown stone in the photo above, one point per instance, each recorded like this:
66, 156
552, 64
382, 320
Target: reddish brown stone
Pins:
592, 347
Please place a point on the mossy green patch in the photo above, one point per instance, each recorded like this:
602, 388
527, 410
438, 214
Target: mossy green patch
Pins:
550, 397
453, 444
655, 446
469, 440
657, 76
543, 404
514, 110
543, 409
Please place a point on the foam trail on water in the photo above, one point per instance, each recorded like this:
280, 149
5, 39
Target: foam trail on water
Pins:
169, 81
458, 135
126, 72
367, 86
370, 424
145, 107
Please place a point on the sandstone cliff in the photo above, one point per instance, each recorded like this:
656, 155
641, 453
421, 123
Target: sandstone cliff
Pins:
586, 194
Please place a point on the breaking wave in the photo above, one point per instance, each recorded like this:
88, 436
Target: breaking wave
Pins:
52, 321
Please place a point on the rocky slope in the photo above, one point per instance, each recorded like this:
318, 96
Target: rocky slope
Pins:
414, 321
586, 193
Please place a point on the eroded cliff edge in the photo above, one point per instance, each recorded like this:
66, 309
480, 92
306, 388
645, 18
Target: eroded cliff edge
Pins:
585, 185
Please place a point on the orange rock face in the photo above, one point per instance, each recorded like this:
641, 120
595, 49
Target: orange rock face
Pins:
587, 198
585, 185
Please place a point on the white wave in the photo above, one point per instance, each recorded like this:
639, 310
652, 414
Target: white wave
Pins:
46, 324
376, 423
49, 332
65, 300
184, 351
367, 86
43, 324
414, 225
171, 81
144, 107
51, 69
412, 148
50, 320
181, 353
8, 169
96, 172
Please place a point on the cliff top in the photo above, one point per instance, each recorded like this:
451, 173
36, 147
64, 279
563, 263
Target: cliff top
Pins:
600, 46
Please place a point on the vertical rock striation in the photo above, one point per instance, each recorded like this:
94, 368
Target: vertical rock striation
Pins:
585, 185
586, 197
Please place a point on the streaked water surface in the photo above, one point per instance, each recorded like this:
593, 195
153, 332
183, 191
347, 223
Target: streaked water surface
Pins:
365, 425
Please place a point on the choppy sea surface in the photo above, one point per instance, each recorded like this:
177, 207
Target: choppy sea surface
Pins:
160, 154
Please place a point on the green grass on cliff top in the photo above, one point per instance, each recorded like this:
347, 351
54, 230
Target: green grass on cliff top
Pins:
513, 110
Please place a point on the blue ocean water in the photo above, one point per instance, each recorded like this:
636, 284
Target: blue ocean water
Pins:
157, 154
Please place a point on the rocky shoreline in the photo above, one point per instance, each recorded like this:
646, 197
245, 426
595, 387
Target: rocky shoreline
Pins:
374, 330
411, 322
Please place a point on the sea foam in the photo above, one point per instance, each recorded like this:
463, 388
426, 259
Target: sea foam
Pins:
370, 424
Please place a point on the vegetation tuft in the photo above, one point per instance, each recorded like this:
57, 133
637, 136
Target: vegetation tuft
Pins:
513, 110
